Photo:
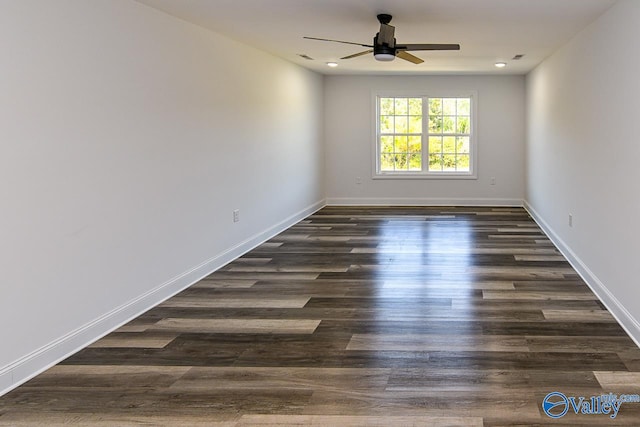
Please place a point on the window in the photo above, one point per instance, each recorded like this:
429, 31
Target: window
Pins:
425, 137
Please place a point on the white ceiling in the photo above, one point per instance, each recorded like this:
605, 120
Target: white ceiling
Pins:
487, 30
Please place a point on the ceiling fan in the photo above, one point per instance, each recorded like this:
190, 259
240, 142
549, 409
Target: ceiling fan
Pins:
385, 48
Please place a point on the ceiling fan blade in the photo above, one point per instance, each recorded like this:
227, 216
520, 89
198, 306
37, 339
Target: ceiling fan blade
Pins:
386, 35
358, 54
408, 57
338, 41
428, 47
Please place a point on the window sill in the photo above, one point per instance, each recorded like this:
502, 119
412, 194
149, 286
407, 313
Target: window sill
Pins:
451, 176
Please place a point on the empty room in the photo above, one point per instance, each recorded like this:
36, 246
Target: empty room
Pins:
330, 212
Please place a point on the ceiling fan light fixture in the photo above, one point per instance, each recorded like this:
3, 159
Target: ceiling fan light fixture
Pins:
385, 57
383, 52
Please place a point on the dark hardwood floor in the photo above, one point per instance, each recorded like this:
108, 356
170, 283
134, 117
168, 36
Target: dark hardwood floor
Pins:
358, 317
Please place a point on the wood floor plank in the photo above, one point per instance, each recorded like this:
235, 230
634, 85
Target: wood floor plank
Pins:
520, 230
283, 378
133, 340
269, 245
252, 260
57, 419
373, 342
578, 315
631, 359
521, 253
256, 276
107, 376
540, 258
621, 381
136, 325
357, 421
283, 269
200, 302
486, 380
524, 295
239, 326
232, 283
423, 403
580, 344
357, 316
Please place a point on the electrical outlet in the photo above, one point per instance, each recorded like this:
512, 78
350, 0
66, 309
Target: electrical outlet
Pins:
493, 180
570, 220
236, 215
358, 180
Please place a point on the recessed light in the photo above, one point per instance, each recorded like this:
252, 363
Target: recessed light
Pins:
332, 64
500, 64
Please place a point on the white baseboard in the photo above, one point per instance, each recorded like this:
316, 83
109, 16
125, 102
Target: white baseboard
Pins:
615, 307
6, 382
426, 201
27, 367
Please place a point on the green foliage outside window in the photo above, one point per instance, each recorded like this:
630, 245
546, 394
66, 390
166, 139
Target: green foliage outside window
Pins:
401, 134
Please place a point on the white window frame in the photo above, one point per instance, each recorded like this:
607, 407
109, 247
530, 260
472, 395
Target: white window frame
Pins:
425, 173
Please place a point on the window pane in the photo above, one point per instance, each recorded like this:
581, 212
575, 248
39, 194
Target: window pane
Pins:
435, 144
415, 124
415, 144
449, 106
462, 144
386, 144
386, 162
435, 106
402, 124
449, 144
400, 144
463, 163
415, 106
386, 124
415, 162
402, 106
401, 161
449, 162
435, 124
463, 124
464, 106
435, 162
386, 106
448, 124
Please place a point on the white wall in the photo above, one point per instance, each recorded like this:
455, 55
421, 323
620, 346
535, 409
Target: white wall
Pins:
127, 138
582, 155
350, 140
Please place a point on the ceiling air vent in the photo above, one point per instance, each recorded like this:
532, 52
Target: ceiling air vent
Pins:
518, 57
305, 56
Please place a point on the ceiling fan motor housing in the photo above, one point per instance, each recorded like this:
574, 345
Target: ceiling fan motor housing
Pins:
383, 52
